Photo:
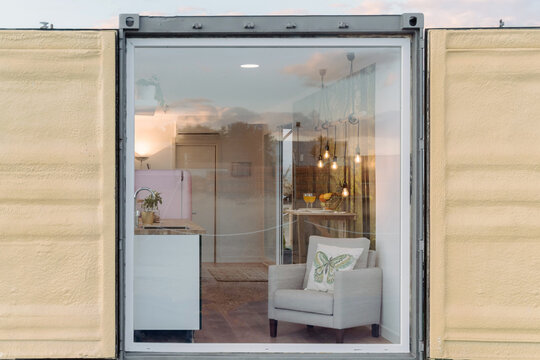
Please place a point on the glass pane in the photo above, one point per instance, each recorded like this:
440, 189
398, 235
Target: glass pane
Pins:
286, 162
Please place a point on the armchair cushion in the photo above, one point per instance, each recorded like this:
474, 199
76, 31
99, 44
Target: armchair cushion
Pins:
305, 300
342, 242
327, 260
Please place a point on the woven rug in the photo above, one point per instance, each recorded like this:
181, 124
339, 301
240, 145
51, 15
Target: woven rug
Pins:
240, 273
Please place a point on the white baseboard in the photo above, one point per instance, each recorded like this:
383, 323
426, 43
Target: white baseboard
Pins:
390, 335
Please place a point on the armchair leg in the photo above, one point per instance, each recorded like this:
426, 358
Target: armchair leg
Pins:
340, 333
273, 327
375, 330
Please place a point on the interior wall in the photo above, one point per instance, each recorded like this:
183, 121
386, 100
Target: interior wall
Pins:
241, 203
57, 170
388, 185
484, 236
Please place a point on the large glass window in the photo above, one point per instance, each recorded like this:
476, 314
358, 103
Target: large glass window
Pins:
268, 187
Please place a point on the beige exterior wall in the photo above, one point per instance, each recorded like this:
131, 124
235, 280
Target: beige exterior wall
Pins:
485, 194
57, 194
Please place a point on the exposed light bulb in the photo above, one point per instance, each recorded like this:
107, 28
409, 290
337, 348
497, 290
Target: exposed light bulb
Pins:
357, 158
334, 163
345, 191
327, 151
320, 163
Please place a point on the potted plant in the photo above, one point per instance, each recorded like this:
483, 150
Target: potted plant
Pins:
150, 206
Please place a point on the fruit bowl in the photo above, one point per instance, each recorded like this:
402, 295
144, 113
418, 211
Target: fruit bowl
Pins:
330, 201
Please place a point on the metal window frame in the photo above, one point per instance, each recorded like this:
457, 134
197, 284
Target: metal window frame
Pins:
405, 25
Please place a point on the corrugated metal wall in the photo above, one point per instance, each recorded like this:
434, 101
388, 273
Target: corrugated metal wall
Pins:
57, 264
57, 194
485, 194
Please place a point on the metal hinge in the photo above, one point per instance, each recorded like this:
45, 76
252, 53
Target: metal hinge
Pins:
421, 245
422, 346
421, 144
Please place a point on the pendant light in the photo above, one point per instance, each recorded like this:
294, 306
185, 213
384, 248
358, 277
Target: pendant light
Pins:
320, 163
345, 191
334, 165
327, 151
324, 109
327, 147
357, 157
352, 117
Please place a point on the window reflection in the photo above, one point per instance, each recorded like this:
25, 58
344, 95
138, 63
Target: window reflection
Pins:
257, 160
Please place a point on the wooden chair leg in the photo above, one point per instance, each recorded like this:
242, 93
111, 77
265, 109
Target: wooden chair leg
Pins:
273, 327
375, 330
340, 333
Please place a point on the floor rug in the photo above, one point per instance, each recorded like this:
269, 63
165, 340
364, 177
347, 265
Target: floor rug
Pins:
239, 273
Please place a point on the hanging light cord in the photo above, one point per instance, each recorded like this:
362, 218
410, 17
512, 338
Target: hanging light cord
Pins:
345, 153
357, 129
323, 108
322, 72
350, 99
358, 136
352, 91
327, 136
335, 139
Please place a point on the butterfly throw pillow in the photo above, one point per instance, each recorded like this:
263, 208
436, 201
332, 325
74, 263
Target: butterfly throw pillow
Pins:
327, 260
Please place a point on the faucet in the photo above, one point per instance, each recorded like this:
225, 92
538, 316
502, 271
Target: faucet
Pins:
135, 203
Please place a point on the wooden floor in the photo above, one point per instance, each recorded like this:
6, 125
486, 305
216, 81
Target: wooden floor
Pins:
237, 312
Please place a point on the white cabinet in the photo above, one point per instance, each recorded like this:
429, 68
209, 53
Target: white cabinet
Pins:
166, 283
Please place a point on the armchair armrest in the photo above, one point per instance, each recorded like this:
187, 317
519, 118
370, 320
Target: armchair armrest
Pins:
357, 297
283, 277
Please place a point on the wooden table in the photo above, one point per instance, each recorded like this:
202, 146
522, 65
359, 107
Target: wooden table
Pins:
315, 216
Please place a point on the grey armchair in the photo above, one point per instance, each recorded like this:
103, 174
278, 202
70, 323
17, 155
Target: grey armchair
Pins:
356, 300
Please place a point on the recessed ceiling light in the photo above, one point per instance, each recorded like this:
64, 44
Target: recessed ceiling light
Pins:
249, 66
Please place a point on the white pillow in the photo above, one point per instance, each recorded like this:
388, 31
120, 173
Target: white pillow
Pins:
327, 260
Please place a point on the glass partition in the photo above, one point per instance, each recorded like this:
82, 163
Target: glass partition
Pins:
269, 180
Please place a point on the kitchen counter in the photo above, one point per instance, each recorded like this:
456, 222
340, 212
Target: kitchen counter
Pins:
171, 227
